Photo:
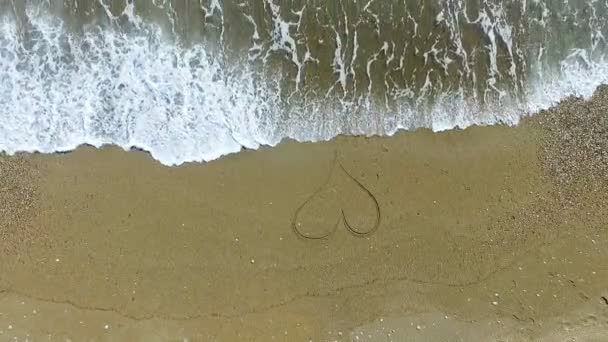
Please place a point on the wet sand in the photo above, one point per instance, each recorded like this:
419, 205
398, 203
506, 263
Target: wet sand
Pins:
485, 234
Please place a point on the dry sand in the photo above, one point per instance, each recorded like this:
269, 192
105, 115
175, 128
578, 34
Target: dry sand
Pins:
491, 233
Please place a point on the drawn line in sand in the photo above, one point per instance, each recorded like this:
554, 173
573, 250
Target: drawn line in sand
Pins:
357, 232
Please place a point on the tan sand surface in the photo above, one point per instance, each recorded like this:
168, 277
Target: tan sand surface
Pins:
480, 238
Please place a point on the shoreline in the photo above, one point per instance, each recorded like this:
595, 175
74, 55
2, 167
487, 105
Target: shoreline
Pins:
479, 225
523, 119
259, 96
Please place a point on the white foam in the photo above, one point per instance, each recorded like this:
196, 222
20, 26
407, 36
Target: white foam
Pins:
60, 90
133, 91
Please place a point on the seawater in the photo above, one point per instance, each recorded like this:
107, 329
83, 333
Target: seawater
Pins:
193, 80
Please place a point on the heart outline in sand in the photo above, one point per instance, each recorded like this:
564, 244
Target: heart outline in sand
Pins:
349, 227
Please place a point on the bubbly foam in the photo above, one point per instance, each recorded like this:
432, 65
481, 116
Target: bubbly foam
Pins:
60, 89
133, 91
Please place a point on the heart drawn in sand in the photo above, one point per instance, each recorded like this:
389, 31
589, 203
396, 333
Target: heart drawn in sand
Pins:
317, 195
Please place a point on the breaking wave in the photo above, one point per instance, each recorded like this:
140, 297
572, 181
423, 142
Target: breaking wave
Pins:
121, 77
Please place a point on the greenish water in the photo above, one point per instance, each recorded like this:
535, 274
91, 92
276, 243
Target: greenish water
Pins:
192, 80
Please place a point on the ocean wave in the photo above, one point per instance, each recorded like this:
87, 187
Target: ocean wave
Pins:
188, 102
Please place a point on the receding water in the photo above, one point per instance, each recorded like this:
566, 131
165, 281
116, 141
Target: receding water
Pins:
193, 80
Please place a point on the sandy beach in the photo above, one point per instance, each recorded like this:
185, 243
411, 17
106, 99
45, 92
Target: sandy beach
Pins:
489, 233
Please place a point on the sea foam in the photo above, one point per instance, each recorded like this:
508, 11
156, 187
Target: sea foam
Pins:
59, 90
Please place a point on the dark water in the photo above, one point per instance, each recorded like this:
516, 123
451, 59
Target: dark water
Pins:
192, 80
